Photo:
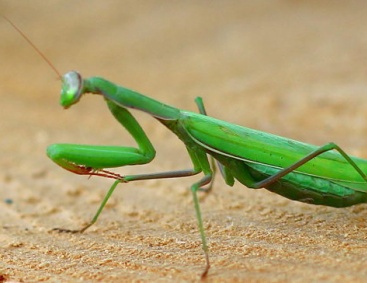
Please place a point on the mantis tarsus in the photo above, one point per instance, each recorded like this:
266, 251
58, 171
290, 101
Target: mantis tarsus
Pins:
323, 175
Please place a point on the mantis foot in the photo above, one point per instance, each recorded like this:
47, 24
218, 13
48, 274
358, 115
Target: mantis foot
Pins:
63, 230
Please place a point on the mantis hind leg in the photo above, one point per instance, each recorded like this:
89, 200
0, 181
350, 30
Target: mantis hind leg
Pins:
315, 153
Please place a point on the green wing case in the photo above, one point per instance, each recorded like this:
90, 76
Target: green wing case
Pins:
258, 147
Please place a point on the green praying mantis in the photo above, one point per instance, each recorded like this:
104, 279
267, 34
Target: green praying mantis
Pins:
323, 175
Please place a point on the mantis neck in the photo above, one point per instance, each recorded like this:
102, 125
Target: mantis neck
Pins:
129, 99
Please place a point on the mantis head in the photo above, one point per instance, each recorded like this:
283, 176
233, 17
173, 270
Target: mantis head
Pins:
72, 88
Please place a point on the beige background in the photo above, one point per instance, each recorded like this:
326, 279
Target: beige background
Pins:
293, 68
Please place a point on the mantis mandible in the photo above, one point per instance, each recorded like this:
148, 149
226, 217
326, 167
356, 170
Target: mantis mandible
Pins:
320, 175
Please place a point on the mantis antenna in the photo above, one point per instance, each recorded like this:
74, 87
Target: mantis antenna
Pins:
34, 47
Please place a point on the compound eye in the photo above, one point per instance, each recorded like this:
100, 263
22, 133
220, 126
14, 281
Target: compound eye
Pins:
72, 87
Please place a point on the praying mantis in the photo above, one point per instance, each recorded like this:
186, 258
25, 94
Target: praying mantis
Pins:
320, 175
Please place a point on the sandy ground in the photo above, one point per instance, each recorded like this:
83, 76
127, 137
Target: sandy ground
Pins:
293, 68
